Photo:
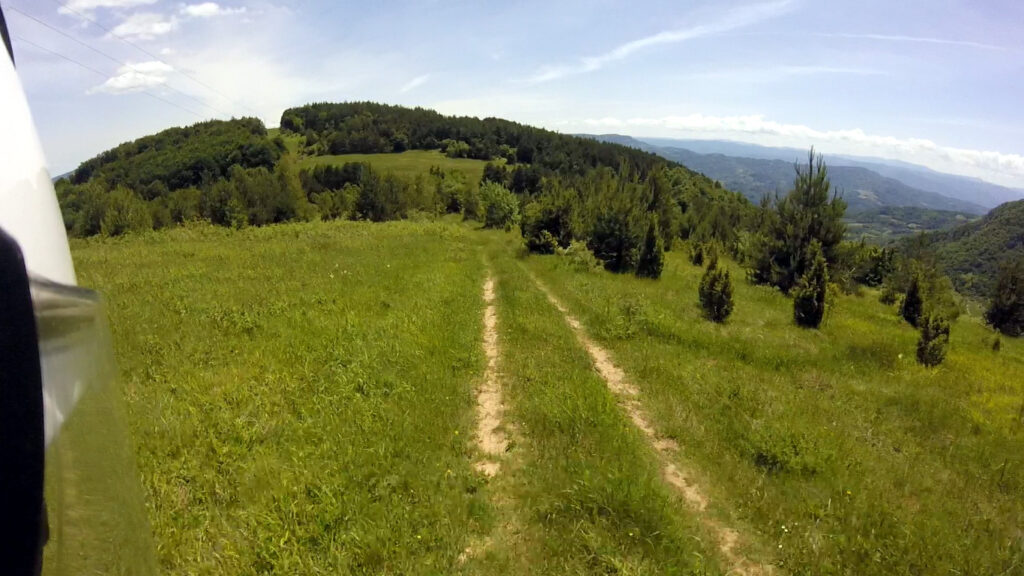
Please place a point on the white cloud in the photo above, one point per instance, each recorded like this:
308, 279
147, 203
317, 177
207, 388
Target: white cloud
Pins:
145, 26
1007, 169
415, 82
209, 10
736, 18
89, 5
135, 78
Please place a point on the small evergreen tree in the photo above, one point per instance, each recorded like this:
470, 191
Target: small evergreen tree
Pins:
715, 292
931, 348
913, 305
1006, 308
811, 290
696, 254
652, 252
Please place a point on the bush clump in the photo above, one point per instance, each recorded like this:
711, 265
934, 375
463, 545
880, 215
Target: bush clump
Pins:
501, 207
810, 294
715, 292
931, 347
579, 257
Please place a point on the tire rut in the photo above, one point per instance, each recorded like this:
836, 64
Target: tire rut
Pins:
490, 438
679, 478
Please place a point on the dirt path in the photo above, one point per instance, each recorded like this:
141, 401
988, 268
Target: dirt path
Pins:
680, 479
490, 437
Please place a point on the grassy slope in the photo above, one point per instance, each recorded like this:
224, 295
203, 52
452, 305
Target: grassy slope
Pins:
847, 456
407, 164
295, 393
301, 401
299, 394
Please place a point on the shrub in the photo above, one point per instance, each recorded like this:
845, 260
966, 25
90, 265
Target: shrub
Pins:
889, 294
125, 212
715, 292
1005, 311
913, 306
652, 253
501, 207
931, 347
811, 291
697, 254
579, 257
542, 243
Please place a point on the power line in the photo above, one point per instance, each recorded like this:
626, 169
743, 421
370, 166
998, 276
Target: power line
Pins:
105, 75
151, 55
115, 60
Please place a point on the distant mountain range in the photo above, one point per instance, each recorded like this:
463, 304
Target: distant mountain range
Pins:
866, 184
973, 190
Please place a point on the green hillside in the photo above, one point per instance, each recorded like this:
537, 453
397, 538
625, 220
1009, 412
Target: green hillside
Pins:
971, 253
302, 399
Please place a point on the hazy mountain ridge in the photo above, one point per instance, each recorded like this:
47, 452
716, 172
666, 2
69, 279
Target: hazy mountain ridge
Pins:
966, 188
863, 189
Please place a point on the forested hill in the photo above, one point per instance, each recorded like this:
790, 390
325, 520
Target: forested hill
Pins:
367, 127
182, 157
323, 165
971, 254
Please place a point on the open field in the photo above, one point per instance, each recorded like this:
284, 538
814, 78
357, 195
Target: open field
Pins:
301, 399
407, 164
834, 445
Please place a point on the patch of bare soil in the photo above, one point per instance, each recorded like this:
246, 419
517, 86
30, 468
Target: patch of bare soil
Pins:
490, 437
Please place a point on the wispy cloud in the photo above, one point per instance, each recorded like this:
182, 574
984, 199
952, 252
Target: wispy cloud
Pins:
996, 166
774, 73
414, 83
135, 78
912, 39
145, 26
80, 6
736, 18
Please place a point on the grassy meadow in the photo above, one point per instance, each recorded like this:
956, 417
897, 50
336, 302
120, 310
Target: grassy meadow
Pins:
301, 401
835, 446
408, 164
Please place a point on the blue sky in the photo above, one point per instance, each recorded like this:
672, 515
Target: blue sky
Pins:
937, 82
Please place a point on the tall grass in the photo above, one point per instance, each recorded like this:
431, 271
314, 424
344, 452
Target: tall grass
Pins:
299, 395
835, 445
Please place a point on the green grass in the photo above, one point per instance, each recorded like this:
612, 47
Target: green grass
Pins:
582, 490
407, 164
834, 445
301, 401
299, 395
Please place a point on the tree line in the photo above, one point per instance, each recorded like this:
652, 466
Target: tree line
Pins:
623, 207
